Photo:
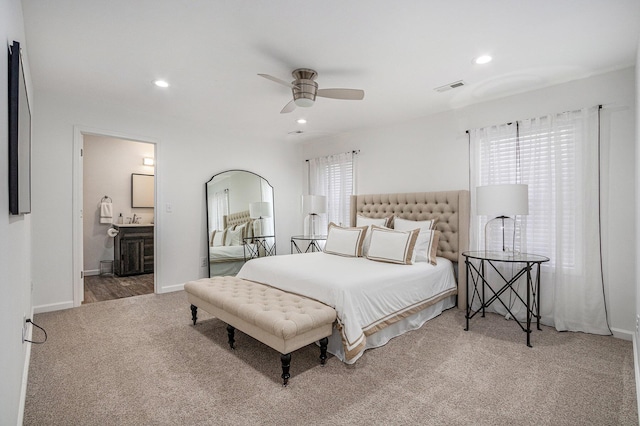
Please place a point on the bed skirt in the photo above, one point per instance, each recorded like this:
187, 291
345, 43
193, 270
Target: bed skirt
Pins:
383, 336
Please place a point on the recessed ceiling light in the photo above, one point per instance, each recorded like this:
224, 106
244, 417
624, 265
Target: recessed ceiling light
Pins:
301, 121
161, 83
484, 59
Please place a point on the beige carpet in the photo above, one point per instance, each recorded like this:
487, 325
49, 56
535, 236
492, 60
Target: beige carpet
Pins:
139, 361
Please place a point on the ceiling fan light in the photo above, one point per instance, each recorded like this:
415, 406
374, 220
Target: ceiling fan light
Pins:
304, 102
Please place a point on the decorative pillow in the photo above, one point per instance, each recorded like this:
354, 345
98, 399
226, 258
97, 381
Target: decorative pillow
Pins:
423, 244
227, 235
432, 245
345, 241
388, 245
217, 238
234, 236
369, 221
243, 229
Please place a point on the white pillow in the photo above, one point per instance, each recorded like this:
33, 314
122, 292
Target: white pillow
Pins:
388, 245
368, 221
234, 237
345, 241
218, 239
423, 245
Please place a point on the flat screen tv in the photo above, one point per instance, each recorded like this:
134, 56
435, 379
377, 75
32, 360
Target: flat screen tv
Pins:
19, 136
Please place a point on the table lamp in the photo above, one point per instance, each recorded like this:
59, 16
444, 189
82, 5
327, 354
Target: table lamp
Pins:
501, 202
258, 211
312, 206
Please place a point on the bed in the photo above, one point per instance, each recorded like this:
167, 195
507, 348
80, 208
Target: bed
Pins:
226, 257
377, 301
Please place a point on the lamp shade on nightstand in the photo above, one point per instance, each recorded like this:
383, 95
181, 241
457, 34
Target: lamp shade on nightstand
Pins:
502, 200
502, 203
314, 204
259, 209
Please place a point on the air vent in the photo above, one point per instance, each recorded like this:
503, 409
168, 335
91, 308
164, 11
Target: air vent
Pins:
450, 86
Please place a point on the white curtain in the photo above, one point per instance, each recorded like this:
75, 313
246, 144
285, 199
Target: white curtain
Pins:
334, 177
557, 157
219, 208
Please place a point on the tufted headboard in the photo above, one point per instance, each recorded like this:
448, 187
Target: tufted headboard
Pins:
450, 208
238, 218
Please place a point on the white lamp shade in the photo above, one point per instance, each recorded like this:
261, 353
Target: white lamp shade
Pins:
502, 200
260, 209
314, 204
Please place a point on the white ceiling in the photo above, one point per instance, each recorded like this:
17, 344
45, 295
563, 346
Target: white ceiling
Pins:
210, 51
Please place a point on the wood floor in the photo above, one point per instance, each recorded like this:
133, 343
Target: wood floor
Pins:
98, 288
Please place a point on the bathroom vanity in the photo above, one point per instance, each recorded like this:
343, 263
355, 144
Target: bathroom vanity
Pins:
133, 249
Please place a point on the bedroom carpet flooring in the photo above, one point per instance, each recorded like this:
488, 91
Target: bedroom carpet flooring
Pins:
140, 361
98, 288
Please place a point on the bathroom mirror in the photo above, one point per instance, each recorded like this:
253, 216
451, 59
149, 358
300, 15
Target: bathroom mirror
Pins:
240, 220
142, 190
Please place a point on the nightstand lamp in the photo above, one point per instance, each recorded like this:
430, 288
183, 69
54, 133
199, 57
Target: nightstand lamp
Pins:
502, 202
258, 211
312, 206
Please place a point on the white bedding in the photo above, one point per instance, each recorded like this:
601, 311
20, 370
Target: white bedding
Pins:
367, 295
224, 253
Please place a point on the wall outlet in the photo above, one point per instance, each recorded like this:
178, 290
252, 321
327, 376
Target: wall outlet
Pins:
203, 262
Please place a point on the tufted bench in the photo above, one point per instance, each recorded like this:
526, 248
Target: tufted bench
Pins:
281, 320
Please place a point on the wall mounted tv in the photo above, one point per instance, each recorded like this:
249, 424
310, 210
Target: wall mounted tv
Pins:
19, 136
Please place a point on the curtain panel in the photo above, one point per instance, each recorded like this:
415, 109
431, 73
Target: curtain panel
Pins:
334, 177
557, 156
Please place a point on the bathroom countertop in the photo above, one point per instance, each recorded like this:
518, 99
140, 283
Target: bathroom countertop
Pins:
131, 225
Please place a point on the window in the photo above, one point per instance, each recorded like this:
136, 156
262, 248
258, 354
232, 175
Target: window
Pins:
557, 156
541, 153
333, 177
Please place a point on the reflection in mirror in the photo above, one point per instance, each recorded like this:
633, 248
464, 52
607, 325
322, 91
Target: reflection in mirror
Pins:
240, 220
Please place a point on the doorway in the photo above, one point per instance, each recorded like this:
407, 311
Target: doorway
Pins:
104, 212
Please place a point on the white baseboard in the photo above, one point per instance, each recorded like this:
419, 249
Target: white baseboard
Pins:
91, 272
622, 334
171, 288
636, 369
52, 307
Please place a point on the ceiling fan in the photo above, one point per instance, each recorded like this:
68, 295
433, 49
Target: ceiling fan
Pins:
305, 90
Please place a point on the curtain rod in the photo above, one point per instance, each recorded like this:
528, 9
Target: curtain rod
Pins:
600, 106
355, 152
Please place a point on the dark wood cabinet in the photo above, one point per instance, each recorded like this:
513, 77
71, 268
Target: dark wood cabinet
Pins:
133, 250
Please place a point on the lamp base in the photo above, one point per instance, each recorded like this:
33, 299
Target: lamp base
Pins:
501, 234
311, 224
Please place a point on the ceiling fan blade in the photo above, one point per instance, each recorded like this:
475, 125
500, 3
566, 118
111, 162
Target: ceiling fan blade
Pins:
288, 107
348, 94
276, 80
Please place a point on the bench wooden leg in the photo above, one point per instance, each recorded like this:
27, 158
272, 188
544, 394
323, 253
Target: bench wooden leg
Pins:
194, 313
231, 332
286, 363
323, 350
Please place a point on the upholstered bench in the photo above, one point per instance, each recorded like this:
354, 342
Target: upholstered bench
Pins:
281, 320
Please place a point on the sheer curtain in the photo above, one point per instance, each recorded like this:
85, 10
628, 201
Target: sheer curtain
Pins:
334, 177
219, 208
557, 156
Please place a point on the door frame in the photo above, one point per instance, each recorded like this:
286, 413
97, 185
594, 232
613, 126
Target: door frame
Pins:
78, 185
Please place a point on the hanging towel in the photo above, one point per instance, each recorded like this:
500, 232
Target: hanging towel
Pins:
106, 212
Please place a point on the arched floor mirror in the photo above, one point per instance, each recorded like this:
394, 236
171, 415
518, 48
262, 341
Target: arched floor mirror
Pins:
240, 220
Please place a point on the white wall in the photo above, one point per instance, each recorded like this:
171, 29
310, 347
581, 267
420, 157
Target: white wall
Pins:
108, 165
432, 153
15, 244
186, 157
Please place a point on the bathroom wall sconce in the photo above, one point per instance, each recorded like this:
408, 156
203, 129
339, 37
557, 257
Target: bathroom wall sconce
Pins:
147, 161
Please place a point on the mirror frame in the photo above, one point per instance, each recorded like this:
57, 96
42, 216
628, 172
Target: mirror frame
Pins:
206, 198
